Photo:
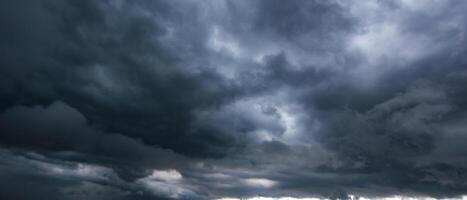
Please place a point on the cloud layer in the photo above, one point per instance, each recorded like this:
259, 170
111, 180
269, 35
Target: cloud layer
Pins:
211, 99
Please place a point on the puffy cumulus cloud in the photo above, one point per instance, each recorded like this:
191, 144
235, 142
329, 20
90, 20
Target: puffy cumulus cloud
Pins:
160, 99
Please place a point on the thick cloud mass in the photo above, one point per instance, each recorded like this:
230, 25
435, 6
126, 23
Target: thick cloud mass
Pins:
172, 99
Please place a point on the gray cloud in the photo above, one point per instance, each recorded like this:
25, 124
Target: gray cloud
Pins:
209, 99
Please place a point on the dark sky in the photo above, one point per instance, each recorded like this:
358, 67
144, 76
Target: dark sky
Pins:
208, 99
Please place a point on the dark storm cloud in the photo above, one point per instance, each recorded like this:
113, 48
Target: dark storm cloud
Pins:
107, 60
58, 179
210, 99
59, 127
391, 133
317, 20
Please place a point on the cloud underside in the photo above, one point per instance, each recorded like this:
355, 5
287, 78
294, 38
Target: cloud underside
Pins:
215, 99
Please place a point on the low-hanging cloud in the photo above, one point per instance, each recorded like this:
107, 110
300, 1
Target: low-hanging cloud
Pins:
211, 99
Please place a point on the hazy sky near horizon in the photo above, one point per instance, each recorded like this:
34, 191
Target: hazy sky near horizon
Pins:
211, 99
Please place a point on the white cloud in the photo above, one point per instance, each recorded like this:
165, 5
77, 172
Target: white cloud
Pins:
165, 175
259, 182
165, 183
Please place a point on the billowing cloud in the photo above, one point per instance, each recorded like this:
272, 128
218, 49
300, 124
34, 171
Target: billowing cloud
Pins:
233, 99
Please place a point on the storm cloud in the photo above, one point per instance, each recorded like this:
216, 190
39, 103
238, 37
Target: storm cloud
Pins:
172, 99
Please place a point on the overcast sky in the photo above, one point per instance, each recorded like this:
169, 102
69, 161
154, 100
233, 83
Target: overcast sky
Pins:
212, 99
